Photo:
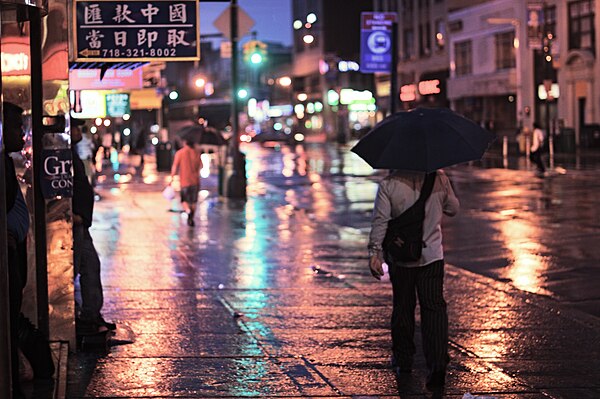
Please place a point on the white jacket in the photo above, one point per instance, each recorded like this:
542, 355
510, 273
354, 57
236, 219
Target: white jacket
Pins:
537, 139
400, 191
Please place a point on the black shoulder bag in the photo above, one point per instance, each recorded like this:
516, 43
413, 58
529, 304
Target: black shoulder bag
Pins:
404, 236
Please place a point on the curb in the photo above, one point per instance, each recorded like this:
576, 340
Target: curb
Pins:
535, 300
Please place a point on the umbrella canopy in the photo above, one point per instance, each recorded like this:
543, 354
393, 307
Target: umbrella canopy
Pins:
423, 139
202, 135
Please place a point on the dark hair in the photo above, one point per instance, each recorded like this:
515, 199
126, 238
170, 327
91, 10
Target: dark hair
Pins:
536, 125
11, 110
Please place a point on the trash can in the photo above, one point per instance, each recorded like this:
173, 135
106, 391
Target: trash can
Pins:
164, 157
565, 140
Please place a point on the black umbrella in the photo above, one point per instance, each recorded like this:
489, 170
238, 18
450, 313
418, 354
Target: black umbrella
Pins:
202, 135
423, 139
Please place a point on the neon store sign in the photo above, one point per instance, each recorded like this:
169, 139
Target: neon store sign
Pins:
15, 59
425, 87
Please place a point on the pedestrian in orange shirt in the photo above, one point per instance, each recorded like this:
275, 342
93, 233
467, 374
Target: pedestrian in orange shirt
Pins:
187, 165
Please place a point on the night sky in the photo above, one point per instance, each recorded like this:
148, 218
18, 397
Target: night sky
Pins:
273, 18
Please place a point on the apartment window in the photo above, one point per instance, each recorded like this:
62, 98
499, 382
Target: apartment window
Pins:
581, 25
505, 50
463, 58
550, 19
424, 39
409, 44
440, 34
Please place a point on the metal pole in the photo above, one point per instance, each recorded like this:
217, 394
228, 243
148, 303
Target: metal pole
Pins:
236, 186
234, 78
505, 152
39, 201
394, 69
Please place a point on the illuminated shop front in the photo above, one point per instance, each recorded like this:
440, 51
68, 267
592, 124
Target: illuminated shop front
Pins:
429, 90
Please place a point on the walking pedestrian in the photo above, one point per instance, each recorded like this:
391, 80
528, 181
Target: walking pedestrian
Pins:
89, 319
422, 278
85, 150
140, 145
187, 165
537, 143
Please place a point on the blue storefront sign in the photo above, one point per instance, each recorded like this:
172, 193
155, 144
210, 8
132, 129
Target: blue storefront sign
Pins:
376, 41
117, 104
136, 30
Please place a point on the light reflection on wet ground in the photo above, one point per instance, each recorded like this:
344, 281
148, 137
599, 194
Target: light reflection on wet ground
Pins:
271, 297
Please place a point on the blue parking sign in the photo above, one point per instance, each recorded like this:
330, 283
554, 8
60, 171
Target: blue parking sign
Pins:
376, 41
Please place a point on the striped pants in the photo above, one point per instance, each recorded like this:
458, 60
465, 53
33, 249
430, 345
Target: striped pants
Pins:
427, 282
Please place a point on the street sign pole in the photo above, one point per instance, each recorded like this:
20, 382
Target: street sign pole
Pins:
394, 69
236, 186
234, 76
379, 48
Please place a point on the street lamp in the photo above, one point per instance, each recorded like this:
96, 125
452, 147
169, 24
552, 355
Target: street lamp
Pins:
200, 82
285, 81
308, 38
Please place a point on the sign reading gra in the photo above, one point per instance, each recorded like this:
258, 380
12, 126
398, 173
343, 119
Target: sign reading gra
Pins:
57, 180
107, 30
376, 41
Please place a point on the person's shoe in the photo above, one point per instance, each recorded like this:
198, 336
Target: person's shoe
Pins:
436, 380
83, 327
111, 326
190, 221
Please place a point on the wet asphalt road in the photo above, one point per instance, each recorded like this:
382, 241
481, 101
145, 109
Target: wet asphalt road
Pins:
272, 297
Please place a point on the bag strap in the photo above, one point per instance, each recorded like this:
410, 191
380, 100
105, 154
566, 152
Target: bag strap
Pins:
427, 187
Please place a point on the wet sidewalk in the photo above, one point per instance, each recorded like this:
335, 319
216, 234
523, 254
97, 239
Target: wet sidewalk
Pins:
272, 297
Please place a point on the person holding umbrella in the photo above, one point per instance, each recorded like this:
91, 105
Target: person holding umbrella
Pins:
415, 145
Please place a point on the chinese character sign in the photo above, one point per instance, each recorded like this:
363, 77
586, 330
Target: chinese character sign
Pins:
136, 30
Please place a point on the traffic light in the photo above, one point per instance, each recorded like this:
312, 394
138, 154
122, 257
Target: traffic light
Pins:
242, 93
255, 52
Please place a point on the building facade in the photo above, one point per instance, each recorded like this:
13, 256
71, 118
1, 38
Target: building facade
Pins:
513, 63
330, 94
423, 54
491, 66
575, 54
